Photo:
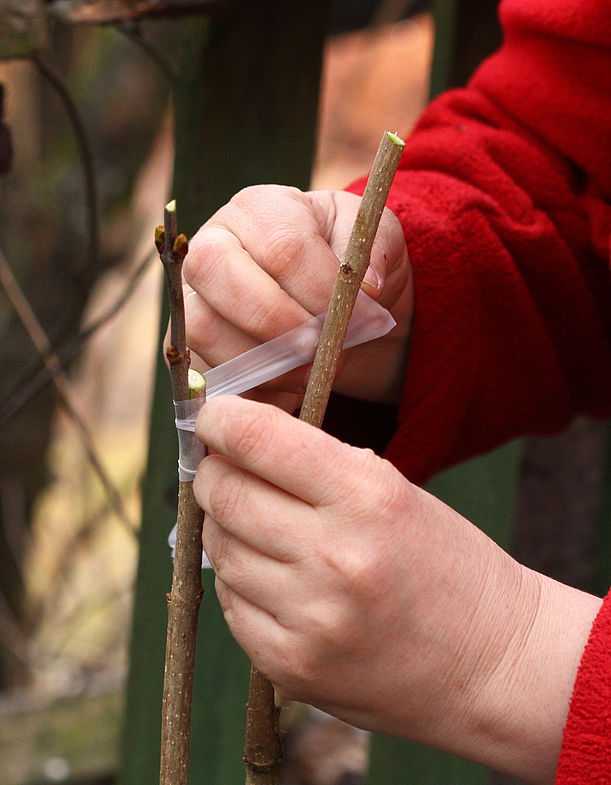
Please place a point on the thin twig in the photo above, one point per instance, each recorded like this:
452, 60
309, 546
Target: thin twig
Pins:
101, 12
58, 578
132, 31
349, 278
26, 389
262, 749
185, 596
11, 633
85, 154
71, 623
40, 340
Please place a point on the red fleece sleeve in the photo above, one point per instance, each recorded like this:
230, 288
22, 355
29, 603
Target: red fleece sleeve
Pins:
503, 193
585, 757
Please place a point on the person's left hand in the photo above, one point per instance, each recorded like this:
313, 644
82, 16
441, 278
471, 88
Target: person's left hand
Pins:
356, 591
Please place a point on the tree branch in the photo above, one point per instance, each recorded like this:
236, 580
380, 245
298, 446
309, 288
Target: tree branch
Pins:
85, 154
40, 340
185, 596
131, 30
262, 751
349, 278
112, 11
31, 383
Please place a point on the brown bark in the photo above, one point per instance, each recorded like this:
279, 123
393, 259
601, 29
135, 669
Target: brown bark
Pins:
185, 596
262, 748
349, 278
183, 608
112, 11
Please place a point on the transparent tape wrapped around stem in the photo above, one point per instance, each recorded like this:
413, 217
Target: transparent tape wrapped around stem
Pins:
190, 451
293, 349
264, 363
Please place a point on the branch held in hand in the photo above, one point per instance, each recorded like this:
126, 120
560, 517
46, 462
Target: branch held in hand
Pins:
185, 596
262, 749
349, 279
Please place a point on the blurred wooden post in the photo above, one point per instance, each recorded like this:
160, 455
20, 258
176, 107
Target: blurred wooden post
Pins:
246, 105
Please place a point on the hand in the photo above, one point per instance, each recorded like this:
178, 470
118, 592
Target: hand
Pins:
267, 261
356, 591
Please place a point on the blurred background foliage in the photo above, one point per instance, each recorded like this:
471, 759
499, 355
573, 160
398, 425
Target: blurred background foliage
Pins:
69, 551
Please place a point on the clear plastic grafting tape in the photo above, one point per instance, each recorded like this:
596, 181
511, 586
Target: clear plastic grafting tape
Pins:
293, 349
190, 450
262, 364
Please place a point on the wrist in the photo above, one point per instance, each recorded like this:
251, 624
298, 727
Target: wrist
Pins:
521, 704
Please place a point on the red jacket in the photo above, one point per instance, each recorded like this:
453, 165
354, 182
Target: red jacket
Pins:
504, 193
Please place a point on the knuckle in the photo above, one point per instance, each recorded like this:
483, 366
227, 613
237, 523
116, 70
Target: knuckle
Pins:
357, 571
202, 328
360, 572
216, 549
256, 195
393, 493
285, 248
385, 487
248, 195
263, 317
367, 460
249, 433
326, 625
208, 250
224, 497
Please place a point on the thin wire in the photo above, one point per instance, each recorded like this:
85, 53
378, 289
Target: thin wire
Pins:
85, 154
25, 389
39, 338
132, 31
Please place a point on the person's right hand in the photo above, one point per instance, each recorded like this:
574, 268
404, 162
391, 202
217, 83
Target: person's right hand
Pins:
267, 261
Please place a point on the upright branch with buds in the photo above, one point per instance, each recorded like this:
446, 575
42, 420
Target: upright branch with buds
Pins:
262, 748
185, 596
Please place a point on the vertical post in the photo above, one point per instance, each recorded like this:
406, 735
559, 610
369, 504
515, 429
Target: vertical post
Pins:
246, 104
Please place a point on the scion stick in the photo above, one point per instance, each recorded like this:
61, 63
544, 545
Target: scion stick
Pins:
262, 748
186, 593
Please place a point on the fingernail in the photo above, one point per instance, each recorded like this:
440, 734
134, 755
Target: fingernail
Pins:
372, 278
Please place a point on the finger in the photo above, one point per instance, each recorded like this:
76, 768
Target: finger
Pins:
248, 572
269, 443
288, 234
211, 336
219, 269
292, 382
288, 402
216, 341
288, 239
257, 632
260, 515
